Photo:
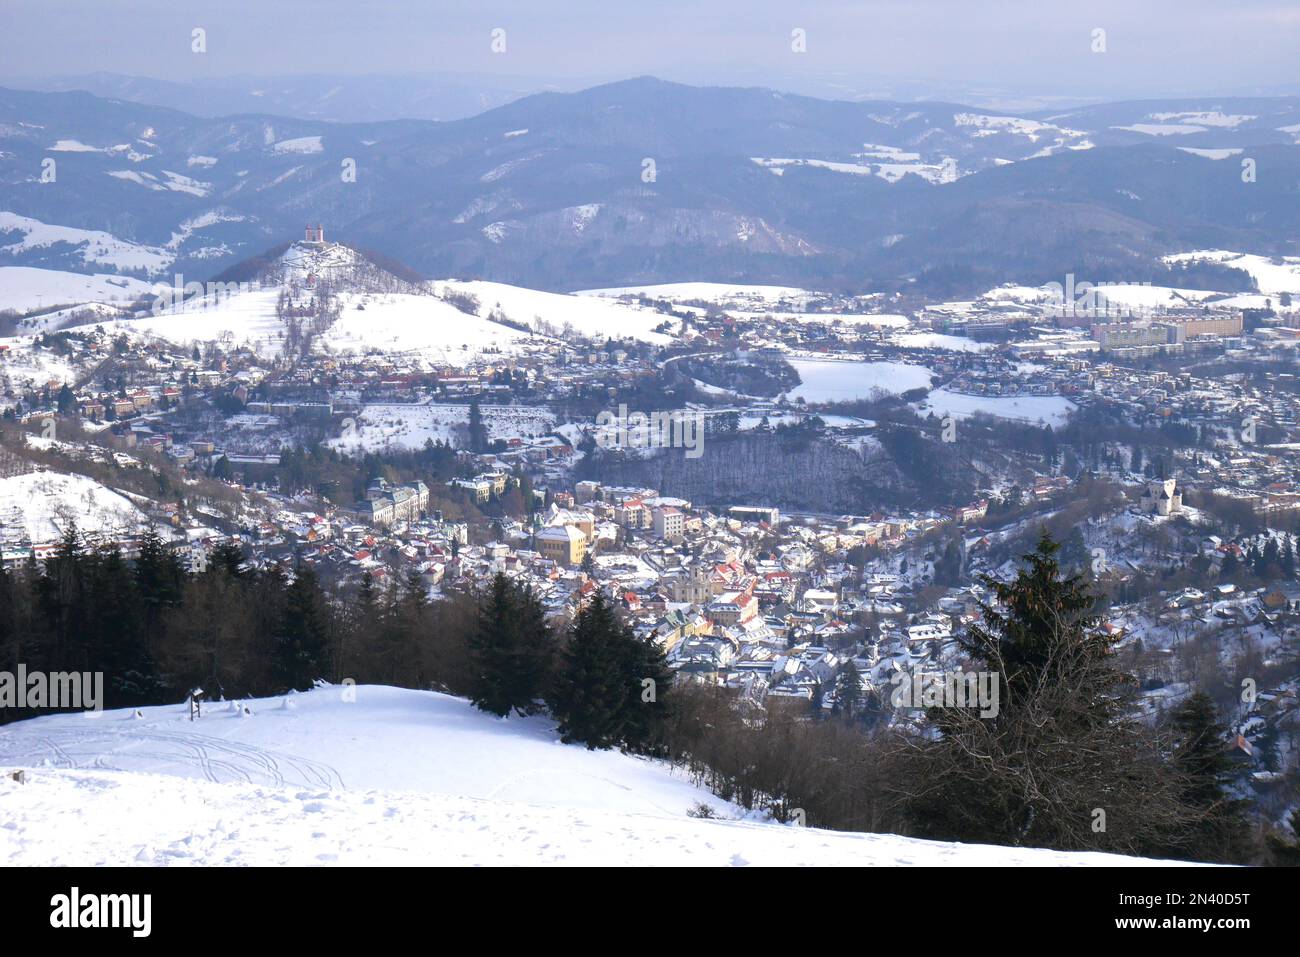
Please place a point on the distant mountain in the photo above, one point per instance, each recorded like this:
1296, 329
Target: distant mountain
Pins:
333, 98
645, 181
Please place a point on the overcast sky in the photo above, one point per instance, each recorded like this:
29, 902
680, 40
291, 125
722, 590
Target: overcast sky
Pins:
1034, 47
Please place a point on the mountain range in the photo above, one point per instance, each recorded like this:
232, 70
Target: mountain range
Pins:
645, 181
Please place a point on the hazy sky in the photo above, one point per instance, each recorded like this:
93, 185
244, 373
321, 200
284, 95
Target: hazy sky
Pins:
1029, 46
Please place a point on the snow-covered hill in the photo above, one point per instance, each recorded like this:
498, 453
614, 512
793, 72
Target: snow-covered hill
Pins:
41, 506
589, 316
376, 775
25, 288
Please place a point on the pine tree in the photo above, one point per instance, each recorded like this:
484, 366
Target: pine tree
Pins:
647, 701
477, 430
1041, 628
495, 644
1202, 759
535, 667
227, 557
158, 573
591, 691
1288, 558
511, 650
1030, 770
1230, 565
299, 655
119, 648
848, 690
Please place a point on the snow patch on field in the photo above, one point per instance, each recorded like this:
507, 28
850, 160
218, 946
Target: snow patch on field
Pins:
834, 380
1162, 129
1044, 409
937, 340
1214, 154
299, 144
716, 292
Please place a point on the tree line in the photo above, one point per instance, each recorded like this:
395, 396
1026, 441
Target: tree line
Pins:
1066, 762
158, 626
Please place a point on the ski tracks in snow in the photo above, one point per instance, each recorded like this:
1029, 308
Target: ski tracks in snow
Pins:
135, 748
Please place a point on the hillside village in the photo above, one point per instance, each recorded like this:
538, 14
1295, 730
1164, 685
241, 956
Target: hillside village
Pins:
244, 415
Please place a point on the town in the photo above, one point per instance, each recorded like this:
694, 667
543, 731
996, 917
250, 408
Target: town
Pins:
1161, 451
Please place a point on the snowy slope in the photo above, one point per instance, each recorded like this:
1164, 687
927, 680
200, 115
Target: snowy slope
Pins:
418, 327
388, 738
421, 328
25, 287
93, 247
395, 777
1272, 275
705, 292
247, 317
404, 426
590, 316
40, 506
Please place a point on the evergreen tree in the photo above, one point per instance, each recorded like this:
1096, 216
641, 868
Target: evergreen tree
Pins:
1288, 558
848, 690
1230, 565
591, 692
301, 640
1202, 758
648, 699
67, 402
115, 622
1042, 627
227, 557
494, 646
158, 573
510, 649
1061, 740
477, 430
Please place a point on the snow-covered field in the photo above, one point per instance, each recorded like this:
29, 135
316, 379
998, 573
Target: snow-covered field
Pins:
1273, 275
41, 505
381, 426
24, 366
1051, 410
25, 287
248, 318
937, 340
391, 777
590, 316
834, 380
879, 319
706, 292
419, 327
423, 329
